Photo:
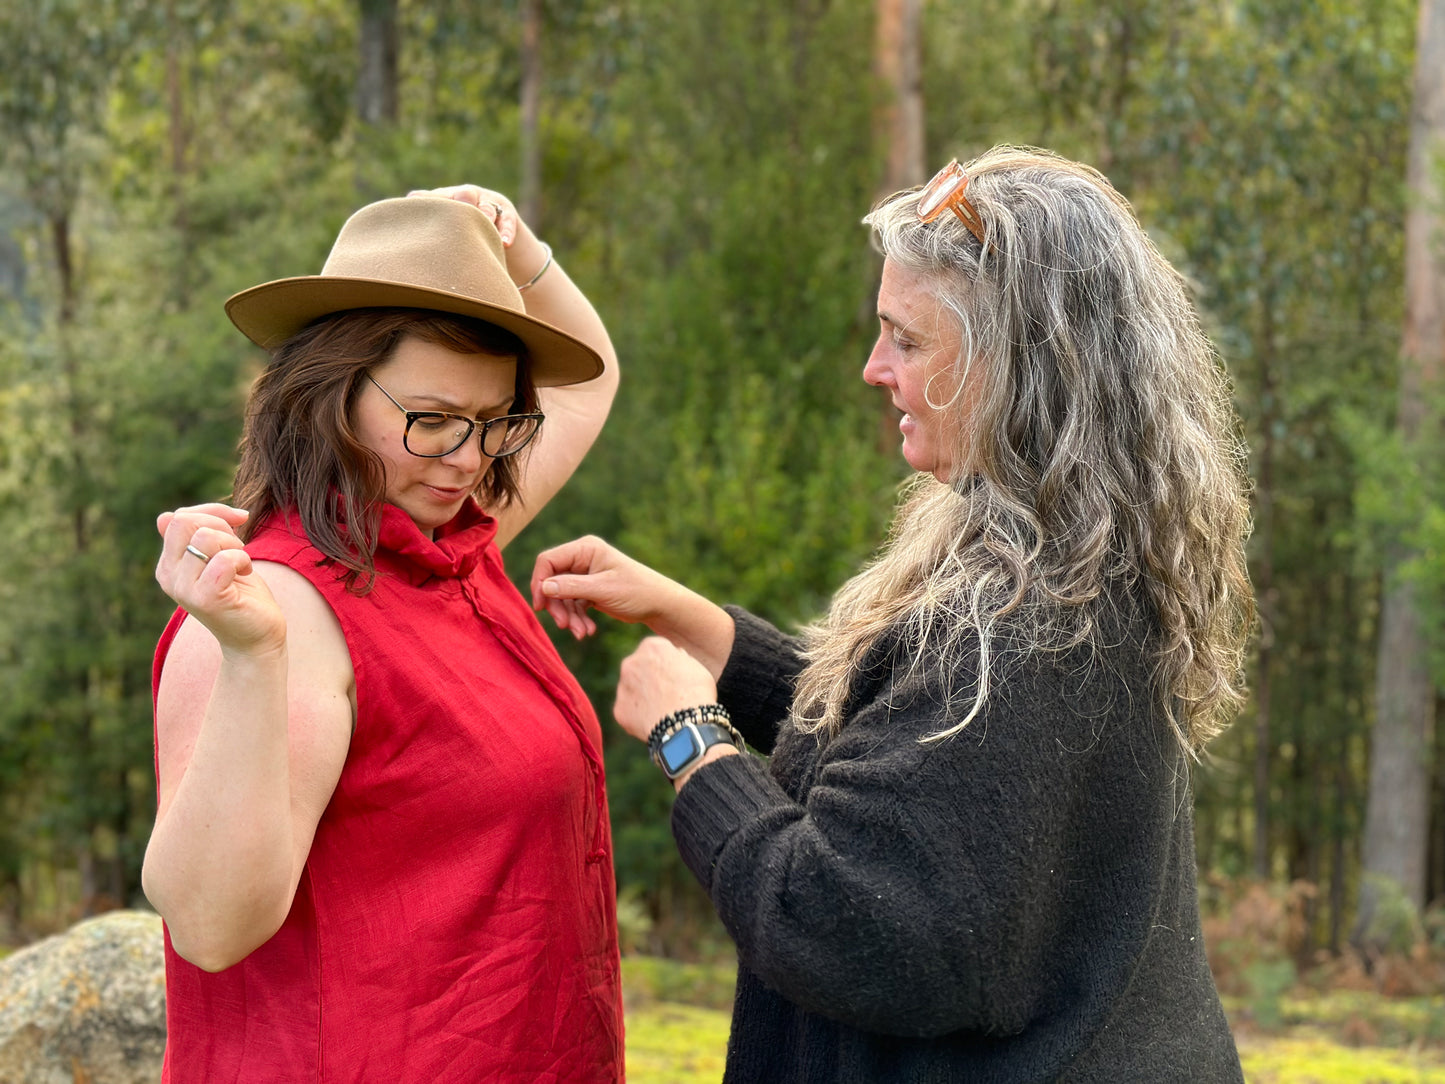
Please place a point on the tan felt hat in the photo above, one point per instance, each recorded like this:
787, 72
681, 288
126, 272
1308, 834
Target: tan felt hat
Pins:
422, 252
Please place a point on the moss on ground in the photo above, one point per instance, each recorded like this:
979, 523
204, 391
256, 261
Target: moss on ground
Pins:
1309, 1056
668, 1043
1367, 1019
677, 1028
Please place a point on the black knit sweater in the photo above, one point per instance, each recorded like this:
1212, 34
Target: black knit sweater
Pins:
1014, 904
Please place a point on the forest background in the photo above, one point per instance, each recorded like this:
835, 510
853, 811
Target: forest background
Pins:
701, 168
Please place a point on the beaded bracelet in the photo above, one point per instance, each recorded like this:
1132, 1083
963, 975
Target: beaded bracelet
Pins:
540, 271
703, 713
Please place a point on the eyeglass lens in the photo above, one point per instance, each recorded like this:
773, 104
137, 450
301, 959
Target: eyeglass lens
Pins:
435, 435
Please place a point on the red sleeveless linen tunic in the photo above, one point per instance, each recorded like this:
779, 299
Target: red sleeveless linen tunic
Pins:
456, 919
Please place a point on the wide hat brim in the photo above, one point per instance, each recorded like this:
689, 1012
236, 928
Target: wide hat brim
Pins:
422, 253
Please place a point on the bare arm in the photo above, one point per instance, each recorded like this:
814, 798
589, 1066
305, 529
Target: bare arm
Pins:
253, 720
574, 413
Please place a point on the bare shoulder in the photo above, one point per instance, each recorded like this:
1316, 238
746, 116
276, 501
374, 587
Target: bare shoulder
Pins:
311, 629
314, 639
320, 681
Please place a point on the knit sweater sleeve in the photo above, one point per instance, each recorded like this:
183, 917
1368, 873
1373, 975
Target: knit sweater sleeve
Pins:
756, 685
920, 888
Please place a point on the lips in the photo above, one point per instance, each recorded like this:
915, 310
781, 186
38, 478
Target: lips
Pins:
448, 494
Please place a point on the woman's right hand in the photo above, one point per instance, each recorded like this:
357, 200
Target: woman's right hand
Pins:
224, 593
588, 572
570, 578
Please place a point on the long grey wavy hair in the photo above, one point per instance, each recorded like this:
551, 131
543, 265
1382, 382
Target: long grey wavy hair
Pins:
1097, 453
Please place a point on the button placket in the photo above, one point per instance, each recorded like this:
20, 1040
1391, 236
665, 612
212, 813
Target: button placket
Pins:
563, 698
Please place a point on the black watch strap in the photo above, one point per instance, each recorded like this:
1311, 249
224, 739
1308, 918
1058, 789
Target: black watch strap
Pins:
686, 745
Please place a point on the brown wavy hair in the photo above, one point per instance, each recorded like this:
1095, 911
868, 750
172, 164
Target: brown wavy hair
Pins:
1099, 460
299, 447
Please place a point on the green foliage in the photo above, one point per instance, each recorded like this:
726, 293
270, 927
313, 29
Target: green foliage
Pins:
762, 505
1399, 504
60, 58
1253, 935
705, 169
1267, 981
634, 924
1273, 182
652, 978
1394, 924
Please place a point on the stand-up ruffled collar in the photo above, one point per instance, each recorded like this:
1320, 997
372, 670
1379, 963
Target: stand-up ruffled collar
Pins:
401, 547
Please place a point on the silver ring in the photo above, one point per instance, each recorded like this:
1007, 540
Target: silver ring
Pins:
202, 554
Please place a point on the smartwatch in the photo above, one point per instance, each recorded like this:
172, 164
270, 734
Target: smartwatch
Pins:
685, 746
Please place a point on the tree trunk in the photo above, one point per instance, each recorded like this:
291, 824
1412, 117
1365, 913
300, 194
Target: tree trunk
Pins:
376, 80
179, 125
1263, 694
1397, 813
529, 191
60, 246
1110, 120
1344, 800
897, 127
1435, 862
897, 63
1265, 589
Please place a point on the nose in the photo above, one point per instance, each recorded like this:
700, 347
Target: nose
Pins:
469, 456
876, 370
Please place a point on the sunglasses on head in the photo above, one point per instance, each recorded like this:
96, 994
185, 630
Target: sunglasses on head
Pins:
946, 193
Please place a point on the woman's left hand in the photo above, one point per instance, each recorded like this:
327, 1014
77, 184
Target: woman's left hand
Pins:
526, 256
658, 679
496, 206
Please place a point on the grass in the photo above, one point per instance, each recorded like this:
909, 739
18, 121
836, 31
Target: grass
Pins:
646, 979
1307, 1055
668, 1043
677, 1028
1345, 1037
677, 1020
1367, 1019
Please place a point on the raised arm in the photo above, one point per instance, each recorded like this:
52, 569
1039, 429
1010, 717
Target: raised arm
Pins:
574, 413
253, 721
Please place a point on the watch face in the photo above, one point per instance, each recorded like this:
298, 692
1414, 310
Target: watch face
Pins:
679, 750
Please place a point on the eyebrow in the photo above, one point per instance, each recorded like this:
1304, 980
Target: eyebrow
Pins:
892, 322
451, 406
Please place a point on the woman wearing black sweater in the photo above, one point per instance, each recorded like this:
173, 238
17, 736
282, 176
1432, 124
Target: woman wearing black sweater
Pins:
971, 856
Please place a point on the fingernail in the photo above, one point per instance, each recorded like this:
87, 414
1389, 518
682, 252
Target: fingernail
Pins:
549, 588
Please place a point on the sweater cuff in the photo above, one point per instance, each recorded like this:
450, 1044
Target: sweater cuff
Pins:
757, 683
718, 799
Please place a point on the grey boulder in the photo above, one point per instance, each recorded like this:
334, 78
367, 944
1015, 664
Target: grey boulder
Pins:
87, 1006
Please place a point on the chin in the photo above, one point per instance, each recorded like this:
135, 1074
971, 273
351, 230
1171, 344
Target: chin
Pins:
920, 461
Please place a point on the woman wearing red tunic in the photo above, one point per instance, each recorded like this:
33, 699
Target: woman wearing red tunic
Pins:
381, 846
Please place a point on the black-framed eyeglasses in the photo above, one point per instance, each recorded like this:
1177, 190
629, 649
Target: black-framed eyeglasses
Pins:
431, 434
